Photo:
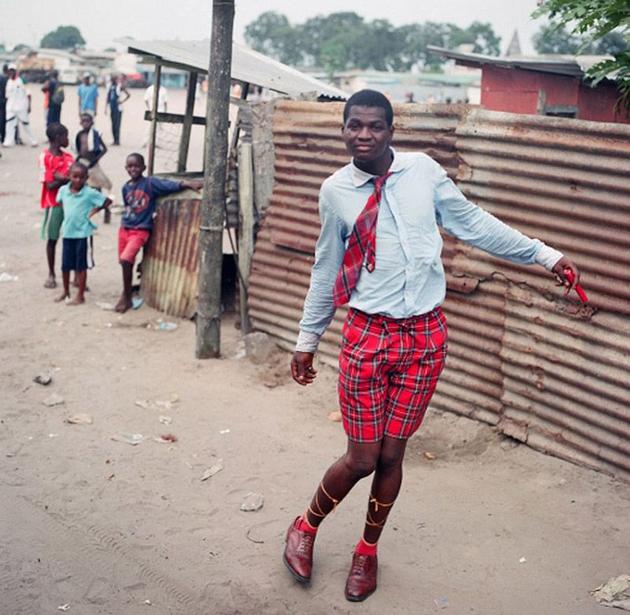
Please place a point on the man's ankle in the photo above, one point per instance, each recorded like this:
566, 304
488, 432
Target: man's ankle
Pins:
366, 548
303, 525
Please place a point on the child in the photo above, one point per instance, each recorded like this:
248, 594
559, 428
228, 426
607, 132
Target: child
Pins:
80, 203
53, 164
139, 198
90, 149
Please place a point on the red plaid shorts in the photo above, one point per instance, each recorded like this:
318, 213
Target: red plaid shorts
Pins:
388, 371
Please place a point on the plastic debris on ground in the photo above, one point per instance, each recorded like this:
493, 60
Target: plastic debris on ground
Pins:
143, 403
522, 560
252, 502
136, 303
335, 416
79, 419
54, 400
224, 431
441, 602
166, 326
168, 438
128, 438
104, 305
165, 420
430, 456
63, 607
614, 593
44, 378
7, 277
212, 470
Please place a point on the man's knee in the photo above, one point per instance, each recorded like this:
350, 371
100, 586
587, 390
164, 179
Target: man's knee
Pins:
391, 456
360, 466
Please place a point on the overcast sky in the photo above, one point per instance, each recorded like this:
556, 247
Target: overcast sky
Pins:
100, 22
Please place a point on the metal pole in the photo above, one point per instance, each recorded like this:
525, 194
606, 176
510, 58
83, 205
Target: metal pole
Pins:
246, 219
188, 119
212, 203
154, 108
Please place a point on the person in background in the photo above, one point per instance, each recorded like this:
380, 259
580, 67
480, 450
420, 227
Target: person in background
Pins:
18, 109
117, 94
161, 107
90, 148
4, 77
140, 195
54, 91
88, 96
80, 203
54, 164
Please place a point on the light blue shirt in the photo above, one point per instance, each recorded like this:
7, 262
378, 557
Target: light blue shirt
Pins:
409, 279
76, 209
87, 97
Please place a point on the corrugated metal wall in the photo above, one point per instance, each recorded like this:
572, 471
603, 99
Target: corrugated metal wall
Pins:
545, 369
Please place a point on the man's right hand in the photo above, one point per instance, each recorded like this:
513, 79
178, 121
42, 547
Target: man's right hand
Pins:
302, 367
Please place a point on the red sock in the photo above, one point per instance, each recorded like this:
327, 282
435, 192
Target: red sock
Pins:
303, 525
364, 548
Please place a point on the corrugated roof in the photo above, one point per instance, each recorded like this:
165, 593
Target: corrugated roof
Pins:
248, 66
573, 66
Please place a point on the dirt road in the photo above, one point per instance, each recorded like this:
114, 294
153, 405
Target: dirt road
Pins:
109, 528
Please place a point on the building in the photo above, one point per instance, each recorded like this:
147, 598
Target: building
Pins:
555, 85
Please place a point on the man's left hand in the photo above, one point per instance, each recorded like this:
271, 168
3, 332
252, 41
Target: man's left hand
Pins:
558, 271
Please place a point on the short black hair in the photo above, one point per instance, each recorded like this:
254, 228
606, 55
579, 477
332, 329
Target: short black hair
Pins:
55, 130
140, 157
86, 114
79, 165
369, 98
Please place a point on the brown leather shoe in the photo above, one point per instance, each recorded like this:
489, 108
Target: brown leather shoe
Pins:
361, 581
298, 553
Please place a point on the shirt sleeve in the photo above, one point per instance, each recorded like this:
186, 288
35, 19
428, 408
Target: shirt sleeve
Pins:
318, 305
59, 196
160, 187
96, 198
469, 223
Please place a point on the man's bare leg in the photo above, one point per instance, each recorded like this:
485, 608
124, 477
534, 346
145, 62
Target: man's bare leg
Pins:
80, 277
124, 303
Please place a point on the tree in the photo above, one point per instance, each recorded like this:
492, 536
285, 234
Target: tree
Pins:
556, 39
64, 37
480, 35
596, 19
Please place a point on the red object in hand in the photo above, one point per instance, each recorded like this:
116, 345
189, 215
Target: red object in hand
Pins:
568, 274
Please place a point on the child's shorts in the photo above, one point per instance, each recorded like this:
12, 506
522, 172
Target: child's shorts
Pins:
51, 223
130, 241
388, 370
74, 256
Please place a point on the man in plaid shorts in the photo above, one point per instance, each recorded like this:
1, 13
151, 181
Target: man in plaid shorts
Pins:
379, 250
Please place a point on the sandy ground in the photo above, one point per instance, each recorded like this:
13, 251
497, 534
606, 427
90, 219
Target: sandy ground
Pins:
104, 527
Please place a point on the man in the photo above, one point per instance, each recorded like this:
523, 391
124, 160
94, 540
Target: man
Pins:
18, 109
161, 107
117, 94
54, 91
3, 100
379, 250
88, 96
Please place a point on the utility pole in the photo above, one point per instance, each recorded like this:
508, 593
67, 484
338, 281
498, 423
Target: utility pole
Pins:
214, 177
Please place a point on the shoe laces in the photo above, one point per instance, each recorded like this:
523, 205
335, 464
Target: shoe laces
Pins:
306, 544
359, 564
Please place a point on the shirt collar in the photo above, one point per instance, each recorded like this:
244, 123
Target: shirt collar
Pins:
359, 177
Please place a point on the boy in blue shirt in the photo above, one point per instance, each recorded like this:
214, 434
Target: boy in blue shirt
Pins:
140, 194
88, 96
80, 203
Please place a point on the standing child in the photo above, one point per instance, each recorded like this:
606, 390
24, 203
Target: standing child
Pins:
139, 198
54, 164
80, 203
90, 149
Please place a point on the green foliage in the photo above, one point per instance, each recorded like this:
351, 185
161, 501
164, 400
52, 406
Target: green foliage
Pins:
604, 25
64, 37
344, 40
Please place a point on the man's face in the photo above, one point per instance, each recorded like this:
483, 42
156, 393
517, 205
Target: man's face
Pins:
134, 167
86, 122
366, 133
12, 73
62, 139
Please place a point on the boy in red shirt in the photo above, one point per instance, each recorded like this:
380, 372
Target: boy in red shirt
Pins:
54, 165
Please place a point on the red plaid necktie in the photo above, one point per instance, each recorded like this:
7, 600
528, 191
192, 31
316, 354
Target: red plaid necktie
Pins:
361, 246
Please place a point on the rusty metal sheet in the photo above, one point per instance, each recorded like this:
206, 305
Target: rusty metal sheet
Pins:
169, 275
542, 368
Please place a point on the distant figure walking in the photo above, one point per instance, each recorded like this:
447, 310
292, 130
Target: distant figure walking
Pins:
88, 96
3, 99
56, 96
18, 109
116, 96
161, 107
